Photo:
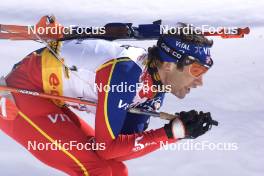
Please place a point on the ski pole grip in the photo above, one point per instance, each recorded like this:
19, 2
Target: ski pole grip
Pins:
214, 122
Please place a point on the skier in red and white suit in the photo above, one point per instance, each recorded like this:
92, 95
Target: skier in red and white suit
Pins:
119, 134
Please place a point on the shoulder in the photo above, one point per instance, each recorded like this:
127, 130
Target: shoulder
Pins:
122, 68
91, 48
92, 54
136, 54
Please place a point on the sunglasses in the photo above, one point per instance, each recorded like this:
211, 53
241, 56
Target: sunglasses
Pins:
196, 69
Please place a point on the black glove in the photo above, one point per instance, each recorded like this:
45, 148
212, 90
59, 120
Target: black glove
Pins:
195, 124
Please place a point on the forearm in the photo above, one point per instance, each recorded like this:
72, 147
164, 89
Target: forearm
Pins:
147, 150
126, 147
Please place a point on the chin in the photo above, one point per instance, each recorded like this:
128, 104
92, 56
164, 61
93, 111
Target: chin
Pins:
179, 95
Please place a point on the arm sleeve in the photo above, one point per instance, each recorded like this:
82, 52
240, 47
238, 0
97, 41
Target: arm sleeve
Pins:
135, 123
111, 114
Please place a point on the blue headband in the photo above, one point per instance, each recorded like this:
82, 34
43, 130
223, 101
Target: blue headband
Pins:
172, 49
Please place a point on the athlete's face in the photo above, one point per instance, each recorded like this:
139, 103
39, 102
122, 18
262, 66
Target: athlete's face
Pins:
181, 81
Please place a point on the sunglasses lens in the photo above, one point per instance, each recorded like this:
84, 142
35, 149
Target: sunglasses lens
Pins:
197, 69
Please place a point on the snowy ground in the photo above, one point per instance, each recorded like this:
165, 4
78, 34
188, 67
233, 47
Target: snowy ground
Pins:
233, 89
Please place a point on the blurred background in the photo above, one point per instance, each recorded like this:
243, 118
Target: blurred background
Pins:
233, 89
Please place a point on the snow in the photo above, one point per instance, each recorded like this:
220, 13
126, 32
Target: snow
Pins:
233, 89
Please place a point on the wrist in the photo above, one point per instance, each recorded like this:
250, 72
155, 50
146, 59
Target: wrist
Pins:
175, 129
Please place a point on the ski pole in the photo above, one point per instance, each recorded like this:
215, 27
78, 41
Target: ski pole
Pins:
70, 99
158, 114
49, 96
86, 102
83, 102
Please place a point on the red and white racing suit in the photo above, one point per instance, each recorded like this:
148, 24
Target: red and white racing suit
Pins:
120, 135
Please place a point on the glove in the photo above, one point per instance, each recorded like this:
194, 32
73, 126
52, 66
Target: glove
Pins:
189, 125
